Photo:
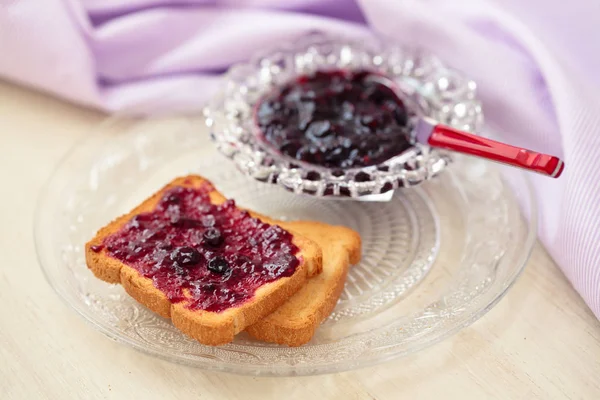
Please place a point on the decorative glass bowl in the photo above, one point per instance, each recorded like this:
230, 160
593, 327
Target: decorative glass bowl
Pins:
426, 87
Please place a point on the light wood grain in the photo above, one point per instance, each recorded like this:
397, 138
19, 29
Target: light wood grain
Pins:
541, 340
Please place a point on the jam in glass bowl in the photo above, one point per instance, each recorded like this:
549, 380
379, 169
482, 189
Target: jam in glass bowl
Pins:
336, 119
329, 116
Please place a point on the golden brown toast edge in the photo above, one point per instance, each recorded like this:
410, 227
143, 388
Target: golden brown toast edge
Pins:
206, 327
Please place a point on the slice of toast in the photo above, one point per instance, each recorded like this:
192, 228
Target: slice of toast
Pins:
212, 328
295, 322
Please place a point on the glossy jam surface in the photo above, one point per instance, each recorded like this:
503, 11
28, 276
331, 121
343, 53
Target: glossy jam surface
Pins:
335, 119
214, 255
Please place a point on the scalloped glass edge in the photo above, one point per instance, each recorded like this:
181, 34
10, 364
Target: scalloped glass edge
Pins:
428, 87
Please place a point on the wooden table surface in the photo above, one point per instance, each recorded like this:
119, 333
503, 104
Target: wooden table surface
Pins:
540, 341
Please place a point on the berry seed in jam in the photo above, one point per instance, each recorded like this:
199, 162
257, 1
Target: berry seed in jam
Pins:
97, 248
218, 265
186, 256
213, 237
213, 256
337, 119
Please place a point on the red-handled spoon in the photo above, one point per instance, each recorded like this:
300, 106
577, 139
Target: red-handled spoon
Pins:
437, 135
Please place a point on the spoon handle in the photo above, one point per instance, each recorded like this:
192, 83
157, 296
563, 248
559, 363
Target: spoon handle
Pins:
444, 137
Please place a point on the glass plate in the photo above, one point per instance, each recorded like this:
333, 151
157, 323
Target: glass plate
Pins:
435, 257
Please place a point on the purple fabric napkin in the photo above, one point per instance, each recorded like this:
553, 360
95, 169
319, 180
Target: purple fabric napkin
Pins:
536, 63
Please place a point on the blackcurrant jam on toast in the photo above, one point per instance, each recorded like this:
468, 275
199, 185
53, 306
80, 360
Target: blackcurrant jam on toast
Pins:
214, 255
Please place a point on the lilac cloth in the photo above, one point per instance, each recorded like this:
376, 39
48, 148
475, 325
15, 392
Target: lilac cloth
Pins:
536, 63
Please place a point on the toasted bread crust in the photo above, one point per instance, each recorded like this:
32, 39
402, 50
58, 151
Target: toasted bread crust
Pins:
295, 322
207, 327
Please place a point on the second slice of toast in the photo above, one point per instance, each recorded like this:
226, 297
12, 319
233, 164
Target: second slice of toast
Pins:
295, 322
208, 327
